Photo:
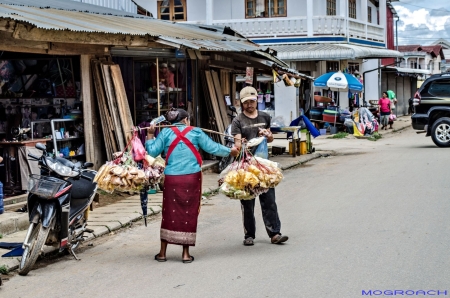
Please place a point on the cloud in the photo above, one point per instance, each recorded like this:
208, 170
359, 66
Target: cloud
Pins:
420, 17
440, 12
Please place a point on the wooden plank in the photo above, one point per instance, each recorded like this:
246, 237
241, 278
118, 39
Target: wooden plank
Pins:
108, 132
112, 104
191, 54
225, 81
98, 92
199, 55
210, 113
121, 96
220, 99
215, 103
108, 127
88, 111
36, 34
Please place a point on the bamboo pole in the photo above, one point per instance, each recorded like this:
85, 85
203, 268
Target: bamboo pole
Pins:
204, 129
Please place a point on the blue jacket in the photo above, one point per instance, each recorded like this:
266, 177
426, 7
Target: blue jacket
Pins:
182, 160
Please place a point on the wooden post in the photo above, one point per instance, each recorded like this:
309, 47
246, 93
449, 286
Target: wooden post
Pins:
92, 127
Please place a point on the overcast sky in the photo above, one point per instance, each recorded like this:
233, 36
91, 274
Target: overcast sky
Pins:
422, 21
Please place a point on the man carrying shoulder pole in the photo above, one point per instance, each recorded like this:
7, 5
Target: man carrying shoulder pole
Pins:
245, 125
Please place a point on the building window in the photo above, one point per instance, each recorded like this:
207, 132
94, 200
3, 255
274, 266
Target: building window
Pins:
331, 7
369, 14
172, 10
265, 8
352, 9
413, 64
332, 66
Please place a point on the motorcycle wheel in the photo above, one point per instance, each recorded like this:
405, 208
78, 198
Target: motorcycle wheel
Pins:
35, 243
224, 162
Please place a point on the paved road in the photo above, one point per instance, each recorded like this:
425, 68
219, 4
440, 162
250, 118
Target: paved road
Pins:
374, 219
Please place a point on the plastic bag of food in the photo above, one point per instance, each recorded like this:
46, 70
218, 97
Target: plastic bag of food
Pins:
262, 150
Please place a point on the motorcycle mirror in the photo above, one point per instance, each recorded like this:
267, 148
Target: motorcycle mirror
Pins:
88, 165
41, 146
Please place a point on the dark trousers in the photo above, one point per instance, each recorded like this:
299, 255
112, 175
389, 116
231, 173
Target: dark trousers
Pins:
269, 214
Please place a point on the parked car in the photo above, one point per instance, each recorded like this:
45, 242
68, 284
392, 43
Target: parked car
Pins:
432, 109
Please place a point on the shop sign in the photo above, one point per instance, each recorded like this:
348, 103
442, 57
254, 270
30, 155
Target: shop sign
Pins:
180, 53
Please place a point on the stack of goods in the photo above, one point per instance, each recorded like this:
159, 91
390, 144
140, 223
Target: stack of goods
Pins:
330, 115
131, 170
124, 174
316, 113
345, 114
249, 176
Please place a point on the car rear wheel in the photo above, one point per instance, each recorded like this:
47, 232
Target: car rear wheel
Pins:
440, 132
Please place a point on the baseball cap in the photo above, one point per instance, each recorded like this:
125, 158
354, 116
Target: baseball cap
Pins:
163, 65
248, 93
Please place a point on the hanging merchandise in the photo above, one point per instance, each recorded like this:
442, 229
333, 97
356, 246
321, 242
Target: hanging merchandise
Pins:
267, 96
125, 174
287, 81
276, 77
249, 176
249, 75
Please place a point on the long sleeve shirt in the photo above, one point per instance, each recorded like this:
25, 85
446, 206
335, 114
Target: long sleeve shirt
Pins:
182, 160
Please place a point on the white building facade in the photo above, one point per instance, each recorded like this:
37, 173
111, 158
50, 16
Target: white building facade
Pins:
124, 5
313, 36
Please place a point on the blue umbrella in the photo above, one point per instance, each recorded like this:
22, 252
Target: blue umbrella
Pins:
339, 81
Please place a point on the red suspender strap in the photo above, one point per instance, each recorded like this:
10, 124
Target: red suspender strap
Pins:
181, 137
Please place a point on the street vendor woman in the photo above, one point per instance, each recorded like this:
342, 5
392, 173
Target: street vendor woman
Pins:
183, 178
245, 125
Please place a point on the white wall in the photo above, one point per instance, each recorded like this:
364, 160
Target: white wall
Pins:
371, 79
235, 9
124, 5
286, 104
230, 9
296, 8
149, 5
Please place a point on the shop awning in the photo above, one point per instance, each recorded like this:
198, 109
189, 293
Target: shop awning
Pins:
332, 52
410, 70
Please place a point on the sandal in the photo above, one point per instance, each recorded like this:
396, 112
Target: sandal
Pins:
277, 239
160, 259
248, 241
190, 260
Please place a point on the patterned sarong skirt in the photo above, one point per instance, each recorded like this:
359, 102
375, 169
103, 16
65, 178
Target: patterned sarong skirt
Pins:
181, 207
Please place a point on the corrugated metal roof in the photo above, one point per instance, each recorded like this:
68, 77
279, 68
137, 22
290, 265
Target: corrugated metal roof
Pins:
67, 17
70, 5
331, 52
410, 70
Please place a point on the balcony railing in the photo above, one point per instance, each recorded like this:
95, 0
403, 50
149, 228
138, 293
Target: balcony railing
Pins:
297, 26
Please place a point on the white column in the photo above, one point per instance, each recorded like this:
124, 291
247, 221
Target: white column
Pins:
343, 12
363, 16
383, 17
209, 12
342, 8
309, 17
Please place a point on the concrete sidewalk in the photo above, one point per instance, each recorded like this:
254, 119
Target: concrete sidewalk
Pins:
104, 220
